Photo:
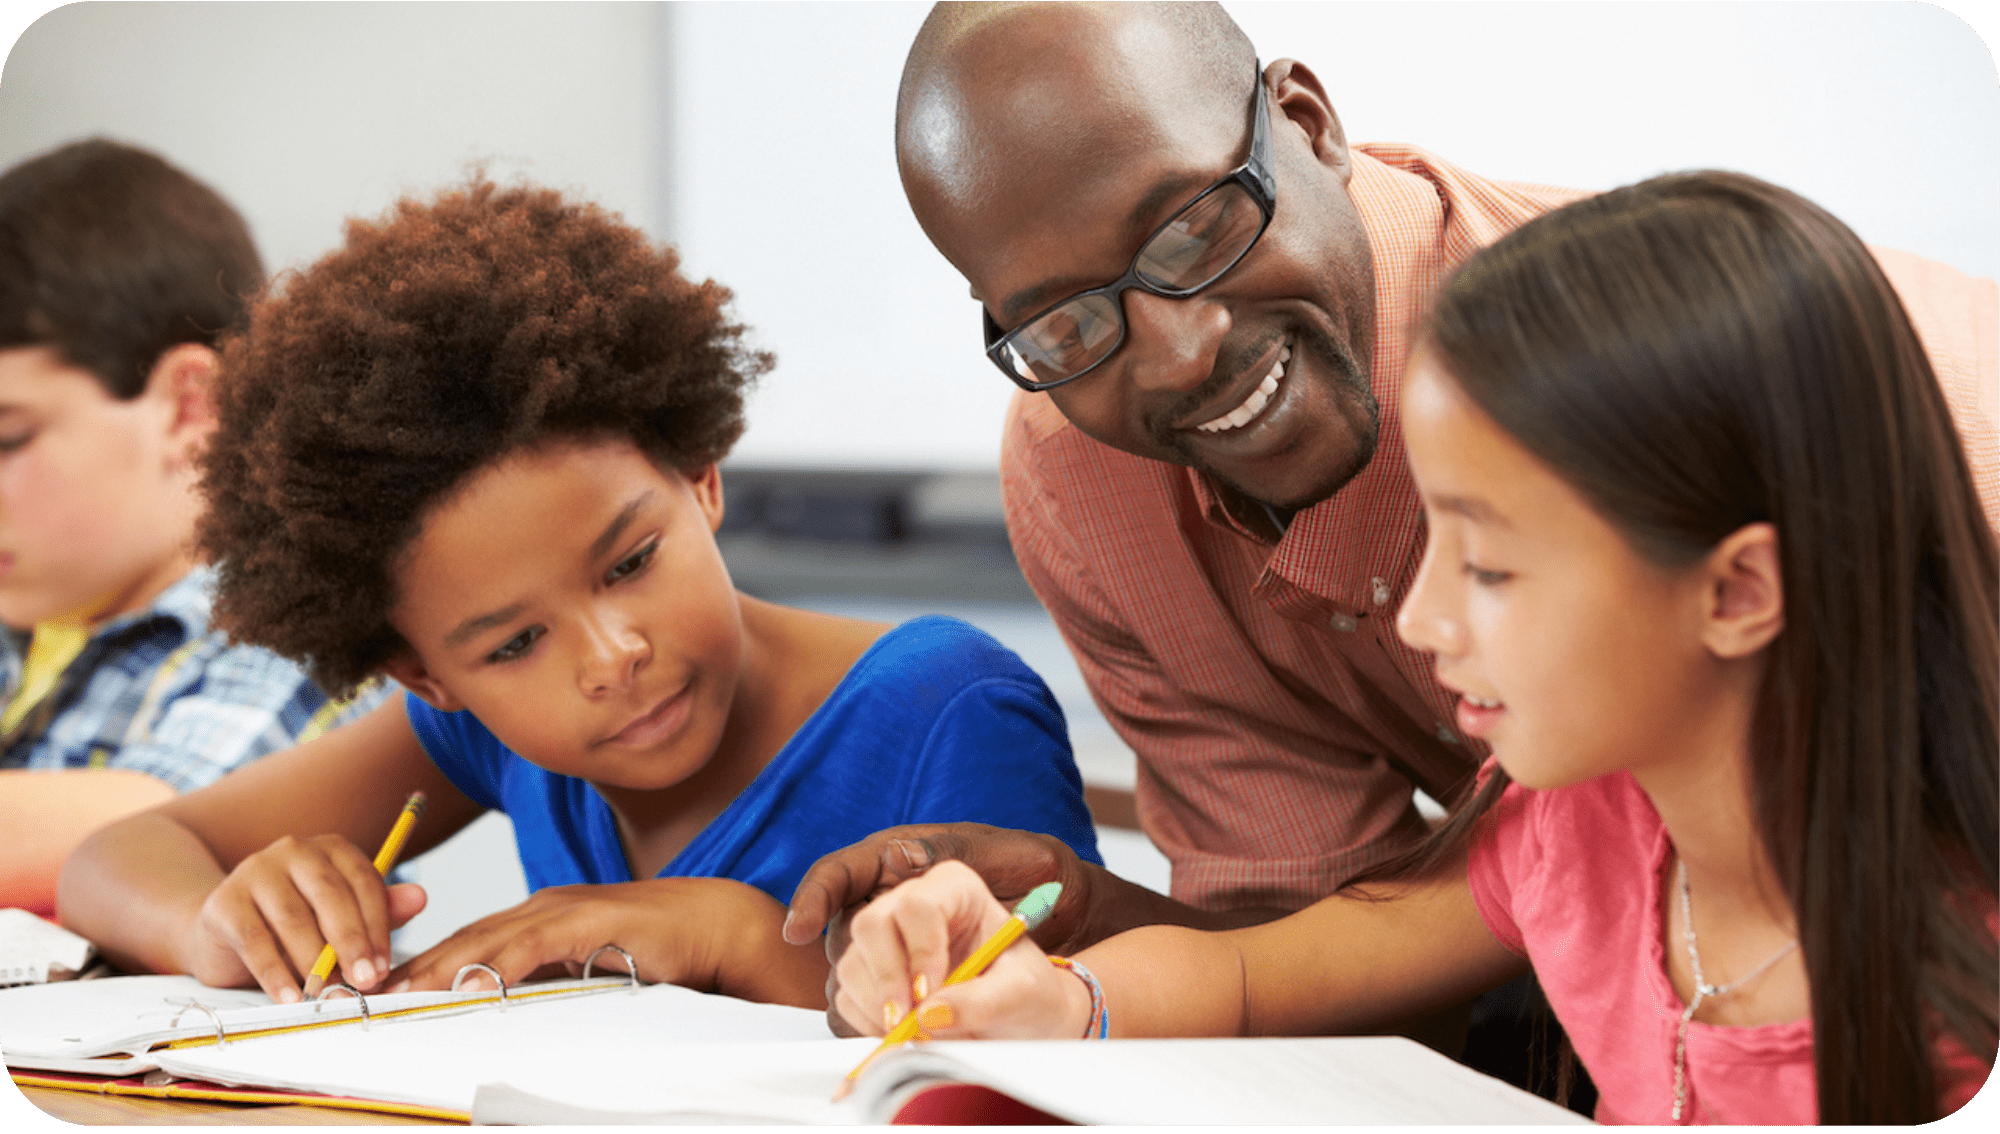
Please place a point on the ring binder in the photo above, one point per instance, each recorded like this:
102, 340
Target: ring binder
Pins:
490, 971
631, 966
220, 1037
343, 986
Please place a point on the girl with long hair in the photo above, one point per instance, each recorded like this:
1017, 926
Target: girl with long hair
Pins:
1707, 568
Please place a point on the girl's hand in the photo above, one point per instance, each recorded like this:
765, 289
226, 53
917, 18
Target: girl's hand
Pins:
269, 918
906, 942
712, 934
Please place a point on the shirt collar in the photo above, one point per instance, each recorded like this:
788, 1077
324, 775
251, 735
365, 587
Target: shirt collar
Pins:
187, 601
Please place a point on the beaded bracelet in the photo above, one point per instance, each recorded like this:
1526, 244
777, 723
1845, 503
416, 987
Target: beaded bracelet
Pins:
1099, 1024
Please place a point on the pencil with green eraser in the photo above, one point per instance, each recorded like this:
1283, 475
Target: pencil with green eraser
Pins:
1032, 911
384, 859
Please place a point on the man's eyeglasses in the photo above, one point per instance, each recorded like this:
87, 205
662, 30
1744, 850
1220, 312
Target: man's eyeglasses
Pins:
1191, 250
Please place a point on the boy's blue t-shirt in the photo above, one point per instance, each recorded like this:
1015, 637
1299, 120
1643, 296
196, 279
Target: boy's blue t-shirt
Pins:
935, 723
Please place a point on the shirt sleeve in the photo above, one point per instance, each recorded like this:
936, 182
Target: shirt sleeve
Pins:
469, 755
1958, 319
241, 703
1255, 813
1502, 847
999, 754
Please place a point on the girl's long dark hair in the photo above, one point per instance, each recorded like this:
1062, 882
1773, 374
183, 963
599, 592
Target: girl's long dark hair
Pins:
1703, 351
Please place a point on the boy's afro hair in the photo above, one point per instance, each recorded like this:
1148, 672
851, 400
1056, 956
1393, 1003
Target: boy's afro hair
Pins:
436, 341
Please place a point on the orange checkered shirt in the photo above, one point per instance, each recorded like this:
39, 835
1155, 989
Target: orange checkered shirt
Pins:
1279, 720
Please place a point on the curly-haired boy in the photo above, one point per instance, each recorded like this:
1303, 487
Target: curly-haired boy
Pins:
475, 449
117, 273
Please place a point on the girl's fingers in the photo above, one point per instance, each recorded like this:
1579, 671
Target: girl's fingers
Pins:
874, 972
1014, 999
904, 943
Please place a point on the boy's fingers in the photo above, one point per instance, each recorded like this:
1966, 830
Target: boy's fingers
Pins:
371, 903
259, 953
320, 907
406, 900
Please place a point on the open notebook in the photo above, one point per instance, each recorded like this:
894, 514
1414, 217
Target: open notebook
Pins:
422, 1052
608, 1051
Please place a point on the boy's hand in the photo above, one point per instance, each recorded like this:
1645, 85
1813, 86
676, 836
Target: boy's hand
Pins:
903, 944
268, 920
712, 934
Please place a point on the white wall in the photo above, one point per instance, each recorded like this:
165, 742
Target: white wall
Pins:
1887, 113
758, 135
302, 114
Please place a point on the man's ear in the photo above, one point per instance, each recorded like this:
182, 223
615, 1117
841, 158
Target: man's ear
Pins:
183, 381
706, 484
1743, 592
1299, 97
409, 672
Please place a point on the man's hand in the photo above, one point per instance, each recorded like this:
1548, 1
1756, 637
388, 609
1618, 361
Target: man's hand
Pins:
1095, 902
1010, 862
711, 934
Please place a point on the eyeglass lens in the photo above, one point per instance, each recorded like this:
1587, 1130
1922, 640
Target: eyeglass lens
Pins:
1195, 247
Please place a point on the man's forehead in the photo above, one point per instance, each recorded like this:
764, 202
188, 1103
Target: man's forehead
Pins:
1053, 176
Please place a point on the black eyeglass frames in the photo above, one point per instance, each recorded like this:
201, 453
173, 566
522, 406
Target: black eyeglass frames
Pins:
1189, 251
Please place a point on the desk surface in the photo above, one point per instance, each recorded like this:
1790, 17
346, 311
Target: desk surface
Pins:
85, 1108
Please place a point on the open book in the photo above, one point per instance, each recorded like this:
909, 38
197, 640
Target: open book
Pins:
606, 1050
1346, 1080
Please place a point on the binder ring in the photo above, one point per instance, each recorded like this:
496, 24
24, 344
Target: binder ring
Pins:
198, 1006
342, 986
490, 971
631, 966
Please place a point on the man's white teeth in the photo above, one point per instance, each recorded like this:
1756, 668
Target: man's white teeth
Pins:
1477, 703
1255, 403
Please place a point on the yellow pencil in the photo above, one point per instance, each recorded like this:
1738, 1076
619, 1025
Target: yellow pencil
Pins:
384, 859
1033, 911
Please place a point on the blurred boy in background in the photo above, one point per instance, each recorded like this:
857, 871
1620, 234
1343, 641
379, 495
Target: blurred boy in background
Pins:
117, 273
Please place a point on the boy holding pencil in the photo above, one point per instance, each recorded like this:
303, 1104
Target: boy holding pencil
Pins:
476, 449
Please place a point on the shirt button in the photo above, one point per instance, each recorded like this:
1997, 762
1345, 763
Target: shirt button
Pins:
1344, 622
1381, 591
1445, 734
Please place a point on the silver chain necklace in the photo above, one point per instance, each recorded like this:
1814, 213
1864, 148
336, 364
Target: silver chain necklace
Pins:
1702, 989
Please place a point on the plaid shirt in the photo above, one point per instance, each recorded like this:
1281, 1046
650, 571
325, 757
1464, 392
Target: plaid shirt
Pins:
1279, 720
159, 692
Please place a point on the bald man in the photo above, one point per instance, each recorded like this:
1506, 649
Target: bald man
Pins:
1206, 295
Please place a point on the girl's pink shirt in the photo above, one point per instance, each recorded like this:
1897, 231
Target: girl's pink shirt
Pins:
1572, 880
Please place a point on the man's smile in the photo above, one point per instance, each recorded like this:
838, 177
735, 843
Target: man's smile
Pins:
1253, 405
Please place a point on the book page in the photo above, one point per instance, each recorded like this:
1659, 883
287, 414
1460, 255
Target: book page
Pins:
1338, 1080
31, 947
683, 1085
441, 1061
65, 1017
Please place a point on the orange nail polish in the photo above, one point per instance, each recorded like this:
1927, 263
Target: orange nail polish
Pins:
888, 1014
920, 988
935, 1017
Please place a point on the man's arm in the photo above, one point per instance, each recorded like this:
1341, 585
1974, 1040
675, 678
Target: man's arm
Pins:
1095, 903
47, 813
